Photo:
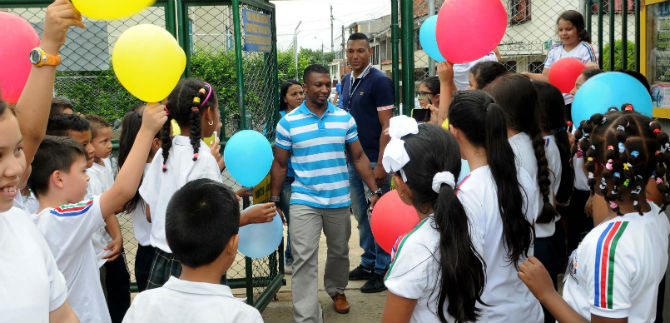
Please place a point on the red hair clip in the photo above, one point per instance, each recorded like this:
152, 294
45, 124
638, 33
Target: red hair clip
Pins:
627, 107
657, 130
569, 123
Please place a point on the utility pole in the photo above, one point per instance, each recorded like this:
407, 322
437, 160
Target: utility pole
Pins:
344, 49
295, 49
323, 58
332, 40
431, 63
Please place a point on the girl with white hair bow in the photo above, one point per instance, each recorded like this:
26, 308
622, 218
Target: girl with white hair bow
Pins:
436, 273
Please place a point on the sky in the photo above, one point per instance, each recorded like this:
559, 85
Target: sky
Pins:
315, 17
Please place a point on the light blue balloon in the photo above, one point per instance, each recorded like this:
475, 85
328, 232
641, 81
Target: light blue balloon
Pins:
248, 157
465, 171
609, 89
259, 240
428, 38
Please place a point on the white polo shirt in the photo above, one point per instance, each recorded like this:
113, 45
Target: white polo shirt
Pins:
100, 180
158, 187
186, 301
508, 298
68, 230
29, 203
616, 269
141, 227
583, 52
31, 284
462, 71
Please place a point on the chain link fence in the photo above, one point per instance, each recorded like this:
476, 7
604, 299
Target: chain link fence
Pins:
207, 33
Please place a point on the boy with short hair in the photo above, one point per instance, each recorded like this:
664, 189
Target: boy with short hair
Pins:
75, 127
202, 221
59, 179
61, 105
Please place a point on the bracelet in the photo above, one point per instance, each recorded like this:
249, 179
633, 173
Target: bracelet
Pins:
274, 199
378, 192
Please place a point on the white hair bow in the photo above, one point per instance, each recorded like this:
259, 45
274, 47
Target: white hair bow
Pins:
395, 155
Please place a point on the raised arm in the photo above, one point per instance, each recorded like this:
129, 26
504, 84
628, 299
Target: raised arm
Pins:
32, 109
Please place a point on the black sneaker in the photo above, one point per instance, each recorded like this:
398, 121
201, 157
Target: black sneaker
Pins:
374, 285
360, 273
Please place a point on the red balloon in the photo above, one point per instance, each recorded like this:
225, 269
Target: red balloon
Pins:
391, 218
17, 38
469, 29
565, 72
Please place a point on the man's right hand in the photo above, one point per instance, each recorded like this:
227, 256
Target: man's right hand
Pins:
61, 15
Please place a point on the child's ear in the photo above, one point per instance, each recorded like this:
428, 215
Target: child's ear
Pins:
56, 179
231, 247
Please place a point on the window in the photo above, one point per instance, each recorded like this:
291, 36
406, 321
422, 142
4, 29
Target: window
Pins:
510, 65
375, 55
536, 67
519, 11
618, 6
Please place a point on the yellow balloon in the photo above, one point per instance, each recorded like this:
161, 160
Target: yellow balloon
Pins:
110, 9
148, 62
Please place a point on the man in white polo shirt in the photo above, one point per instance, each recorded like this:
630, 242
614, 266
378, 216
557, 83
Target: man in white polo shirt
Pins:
315, 136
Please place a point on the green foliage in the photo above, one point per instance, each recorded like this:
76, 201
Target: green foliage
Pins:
618, 55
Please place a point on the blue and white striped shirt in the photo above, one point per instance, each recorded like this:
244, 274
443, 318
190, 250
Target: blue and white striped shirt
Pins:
317, 148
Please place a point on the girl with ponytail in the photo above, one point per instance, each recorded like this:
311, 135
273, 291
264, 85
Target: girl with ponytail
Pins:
436, 273
497, 200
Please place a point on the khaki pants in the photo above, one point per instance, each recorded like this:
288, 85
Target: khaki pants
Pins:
305, 226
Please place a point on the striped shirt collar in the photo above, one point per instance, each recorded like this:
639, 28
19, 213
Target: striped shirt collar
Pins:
305, 110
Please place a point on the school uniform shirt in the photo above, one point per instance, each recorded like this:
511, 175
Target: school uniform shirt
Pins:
462, 71
583, 52
616, 269
158, 187
31, 285
68, 230
100, 180
186, 301
543, 230
28, 203
508, 298
111, 165
581, 181
141, 226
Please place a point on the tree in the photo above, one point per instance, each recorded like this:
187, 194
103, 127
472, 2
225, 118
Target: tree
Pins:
618, 56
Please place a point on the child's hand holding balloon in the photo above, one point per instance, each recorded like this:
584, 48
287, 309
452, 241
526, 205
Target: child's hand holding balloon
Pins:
61, 15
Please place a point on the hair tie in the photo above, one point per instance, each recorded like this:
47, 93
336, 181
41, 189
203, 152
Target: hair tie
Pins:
440, 178
620, 128
589, 159
635, 153
603, 121
591, 175
610, 147
626, 166
194, 109
568, 123
167, 112
657, 153
612, 109
626, 182
617, 175
164, 167
613, 205
659, 180
637, 190
209, 93
627, 107
657, 130
622, 148
195, 156
196, 99
609, 164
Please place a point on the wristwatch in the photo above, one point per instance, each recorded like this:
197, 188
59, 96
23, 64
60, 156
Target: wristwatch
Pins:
377, 192
40, 58
274, 199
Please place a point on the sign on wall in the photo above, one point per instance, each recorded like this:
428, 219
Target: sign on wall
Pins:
257, 31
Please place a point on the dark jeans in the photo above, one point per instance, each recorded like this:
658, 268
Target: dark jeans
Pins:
284, 205
117, 282
143, 259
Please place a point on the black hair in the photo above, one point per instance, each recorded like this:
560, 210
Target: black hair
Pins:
462, 270
486, 72
359, 36
552, 120
433, 84
638, 76
60, 124
201, 218
54, 153
517, 96
130, 126
58, 104
185, 105
97, 122
577, 20
314, 68
283, 91
591, 72
482, 121
632, 148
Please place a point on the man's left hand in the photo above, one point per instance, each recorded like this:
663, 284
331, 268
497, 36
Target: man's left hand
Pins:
380, 175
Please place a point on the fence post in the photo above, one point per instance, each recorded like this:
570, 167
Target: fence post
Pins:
244, 119
184, 35
612, 38
395, 55
170, 19
600, 33
624, 35
407, 19
637, 37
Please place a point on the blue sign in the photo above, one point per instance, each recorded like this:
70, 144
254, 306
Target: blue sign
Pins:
257, 31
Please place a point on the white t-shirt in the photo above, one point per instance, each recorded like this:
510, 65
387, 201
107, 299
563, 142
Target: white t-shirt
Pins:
415, 271
141, 227
186, 301
462, 71
68, 231
508, 298
544, 230
31, 284
581, 181
583, 52
616, 269
29, 203
100, 180
158, 187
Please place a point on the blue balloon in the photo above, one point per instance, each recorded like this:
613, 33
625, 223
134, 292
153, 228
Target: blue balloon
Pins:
465, 171
258, 240
610, 89
248, 157
428, 38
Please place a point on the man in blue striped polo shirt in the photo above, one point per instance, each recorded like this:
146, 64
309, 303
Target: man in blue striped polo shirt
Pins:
315, 136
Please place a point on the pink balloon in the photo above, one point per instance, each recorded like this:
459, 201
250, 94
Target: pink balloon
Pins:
391, 218
564, 73
17, 38
469, 29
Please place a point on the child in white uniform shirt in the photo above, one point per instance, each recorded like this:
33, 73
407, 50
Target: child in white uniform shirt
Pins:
59, 179
615, 271
436, 273
201, 226
497, 201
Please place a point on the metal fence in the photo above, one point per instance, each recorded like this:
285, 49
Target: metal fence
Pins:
212, 34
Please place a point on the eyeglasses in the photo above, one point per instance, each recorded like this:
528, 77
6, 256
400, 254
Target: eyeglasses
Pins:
423, 94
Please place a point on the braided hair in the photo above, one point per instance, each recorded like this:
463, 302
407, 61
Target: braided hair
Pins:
185, 105
517, 96
631, 148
